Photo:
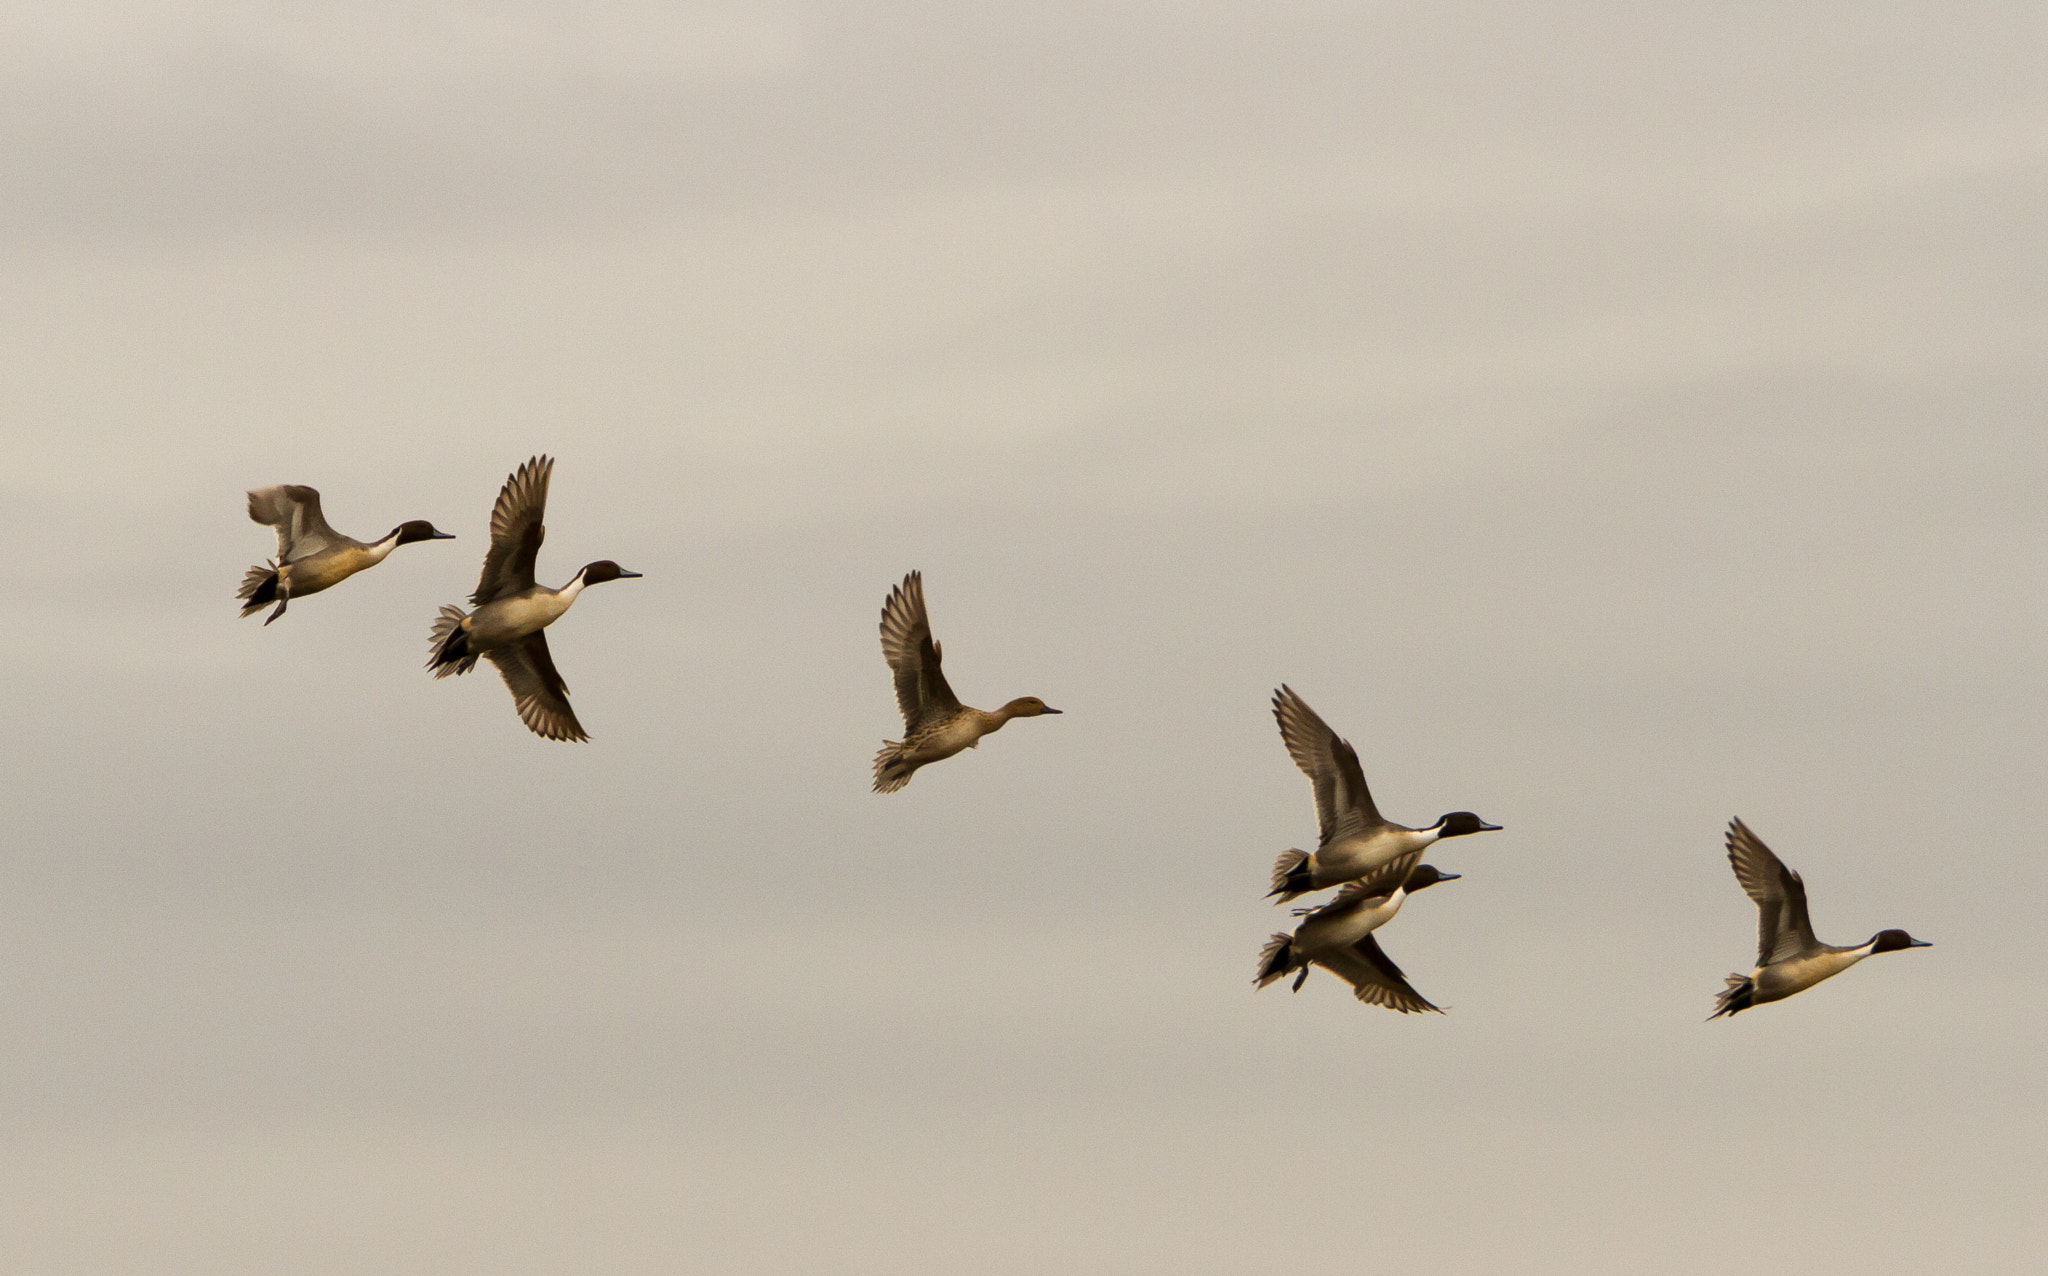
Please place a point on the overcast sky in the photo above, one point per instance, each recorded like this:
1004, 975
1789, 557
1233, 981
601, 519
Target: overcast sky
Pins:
1611, 420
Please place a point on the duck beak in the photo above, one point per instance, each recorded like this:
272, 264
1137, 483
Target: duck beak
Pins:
626, 575
1448, 877
1050, 709
1918, 943
1484, 827
438, 535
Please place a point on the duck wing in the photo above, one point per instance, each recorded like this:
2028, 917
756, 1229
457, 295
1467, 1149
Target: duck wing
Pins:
1374, 978
516, 532
538, 691
1344, 806
1783, 928
921, 690
1380, 883
294, 511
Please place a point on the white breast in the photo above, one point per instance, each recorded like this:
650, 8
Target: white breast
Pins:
1328, 932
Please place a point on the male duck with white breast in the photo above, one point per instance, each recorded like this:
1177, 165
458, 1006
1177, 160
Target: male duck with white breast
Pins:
1789, 959
1356, 839
1340, 937
512, 612
311, 556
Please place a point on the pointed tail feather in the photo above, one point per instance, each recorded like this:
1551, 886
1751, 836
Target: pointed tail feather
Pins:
892, 772
1738, 996
259, 589
1276, 960
450, 643
1291, 876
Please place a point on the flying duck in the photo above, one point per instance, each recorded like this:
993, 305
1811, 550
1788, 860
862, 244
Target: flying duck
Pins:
512, 611
311, 556
1355, 839
935, 724
1788, 958
1339, 937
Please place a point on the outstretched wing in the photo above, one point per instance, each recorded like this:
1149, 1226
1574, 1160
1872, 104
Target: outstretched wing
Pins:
294, 511
1783, 928
921, 690
537, 690
1344, 805
516, 532
1374, 978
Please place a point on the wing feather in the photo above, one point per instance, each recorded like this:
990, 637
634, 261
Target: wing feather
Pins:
1344, 806
1374, 978
538, 691
1784, 928
922, 693
293, 511
517, 529
1381, 881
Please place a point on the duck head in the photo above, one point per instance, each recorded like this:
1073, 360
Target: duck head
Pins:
1027, 707
1426, 875
605, 569
1891, 941
420, 529
1459, 823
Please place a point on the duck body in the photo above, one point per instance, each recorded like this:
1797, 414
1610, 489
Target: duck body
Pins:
507, 620
1356, 840
1339, 937
1789, 958
1343, 922
330, 567
1781, 979
943, 737
936, 724
461, 637
512, 613
1348, 858
311, 556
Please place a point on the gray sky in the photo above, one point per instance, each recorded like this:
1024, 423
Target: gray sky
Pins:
1612, 421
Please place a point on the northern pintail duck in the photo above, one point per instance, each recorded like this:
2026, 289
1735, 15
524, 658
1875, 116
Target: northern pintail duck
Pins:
1788, 957
1355, 839
311, 556
512, 611
935, 724
1339, 937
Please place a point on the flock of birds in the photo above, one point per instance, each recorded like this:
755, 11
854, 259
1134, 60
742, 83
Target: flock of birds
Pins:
1374, 863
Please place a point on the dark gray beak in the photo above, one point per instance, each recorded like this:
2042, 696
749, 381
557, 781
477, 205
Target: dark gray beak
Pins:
1919, 943
1050, 709
1448, 877
1484, 827
626, 575
438, 535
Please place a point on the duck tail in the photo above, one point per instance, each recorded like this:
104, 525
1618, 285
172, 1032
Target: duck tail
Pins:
1291, 875
259, 589
1738, 996
892, 771
1276, 959
450, 642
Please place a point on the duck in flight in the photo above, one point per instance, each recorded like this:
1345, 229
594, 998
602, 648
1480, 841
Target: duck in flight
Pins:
311, 556
1355, 839
512, 611
1788, 958
1339, 937
935, 724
